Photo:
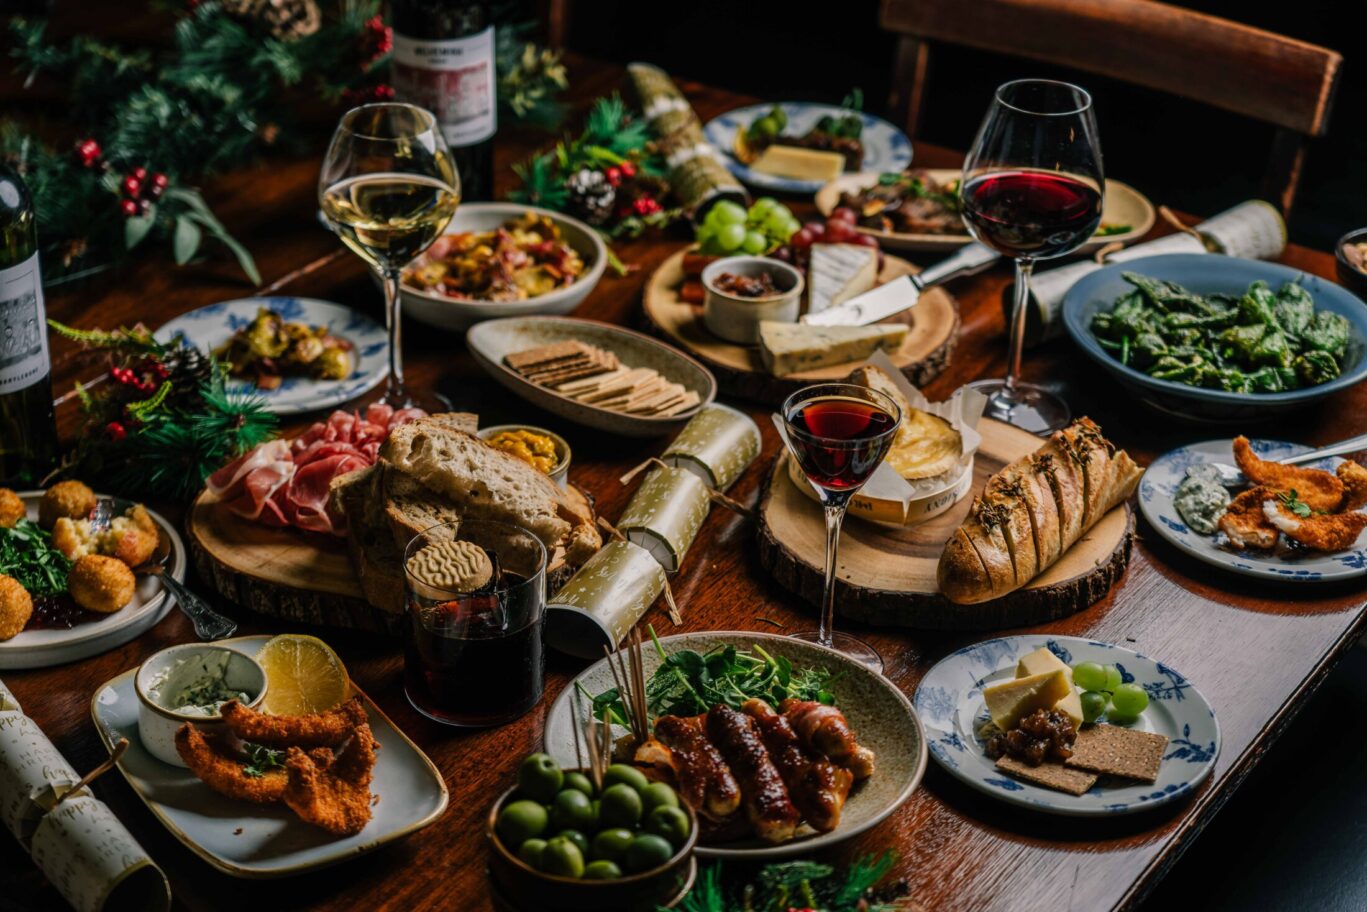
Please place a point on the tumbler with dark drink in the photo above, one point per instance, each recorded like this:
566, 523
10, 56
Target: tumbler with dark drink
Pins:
473, 638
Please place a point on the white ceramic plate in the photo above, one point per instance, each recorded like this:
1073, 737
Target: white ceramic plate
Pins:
950, 703
256, 841
1155, 502
450, 313
211, 326
1123, 205
151, 602
878, 713
886, 148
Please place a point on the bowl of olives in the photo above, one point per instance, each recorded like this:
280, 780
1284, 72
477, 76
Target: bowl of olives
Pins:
558, 843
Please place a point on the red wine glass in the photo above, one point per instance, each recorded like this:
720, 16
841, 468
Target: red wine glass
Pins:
1032, 190
839, 434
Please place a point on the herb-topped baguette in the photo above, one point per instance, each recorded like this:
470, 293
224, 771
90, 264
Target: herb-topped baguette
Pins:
1031, 512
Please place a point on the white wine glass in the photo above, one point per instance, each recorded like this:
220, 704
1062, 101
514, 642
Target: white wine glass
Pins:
388, 189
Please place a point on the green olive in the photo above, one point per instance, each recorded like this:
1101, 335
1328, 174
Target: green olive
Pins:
579, 782
530, 851
562, 858
648, 851
602, 870
520, 821
573, 810
539, 778
630, 775
621, 806
578, 838
611, 845
671, 823
658, 795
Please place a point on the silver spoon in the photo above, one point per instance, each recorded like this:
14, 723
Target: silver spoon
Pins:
209, 624
1231, 477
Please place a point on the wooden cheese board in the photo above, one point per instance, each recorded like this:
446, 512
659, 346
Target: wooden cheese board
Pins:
887, 574
925, 352
297, 576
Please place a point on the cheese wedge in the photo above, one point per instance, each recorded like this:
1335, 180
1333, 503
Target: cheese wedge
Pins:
786, 348
800, 164
839, 272
1042, 661
1010, 701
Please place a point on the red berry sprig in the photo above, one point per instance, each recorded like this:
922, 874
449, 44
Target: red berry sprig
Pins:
646, 205
88, 152
115, 431
377, 39
140, 188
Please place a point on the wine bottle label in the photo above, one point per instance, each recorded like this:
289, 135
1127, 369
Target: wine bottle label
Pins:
452, 78
23, 327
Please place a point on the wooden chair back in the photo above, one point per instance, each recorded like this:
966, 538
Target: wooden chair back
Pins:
1268, 77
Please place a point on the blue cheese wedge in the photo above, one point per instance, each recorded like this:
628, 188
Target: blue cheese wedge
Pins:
787, 348
839, 272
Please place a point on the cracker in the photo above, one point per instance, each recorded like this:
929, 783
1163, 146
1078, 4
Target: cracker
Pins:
1118, 751
1050, 775
572, 388
556, 351
689, 400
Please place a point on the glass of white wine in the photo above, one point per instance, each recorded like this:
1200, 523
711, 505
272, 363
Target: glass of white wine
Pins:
389, 188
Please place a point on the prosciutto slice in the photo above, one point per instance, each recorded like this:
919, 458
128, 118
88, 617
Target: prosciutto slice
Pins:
285, 483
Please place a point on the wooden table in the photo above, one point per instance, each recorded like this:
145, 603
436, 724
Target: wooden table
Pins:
1257, 651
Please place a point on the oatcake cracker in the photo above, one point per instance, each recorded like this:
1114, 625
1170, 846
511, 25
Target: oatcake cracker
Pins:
1050, 775
546, 354
1118, 751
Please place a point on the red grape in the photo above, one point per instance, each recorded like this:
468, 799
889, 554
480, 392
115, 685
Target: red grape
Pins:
844, 214
864, 240
816, 230
803, 238
840, 233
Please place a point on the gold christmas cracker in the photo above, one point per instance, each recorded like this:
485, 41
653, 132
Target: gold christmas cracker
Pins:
718, 444
665, 513
600, 603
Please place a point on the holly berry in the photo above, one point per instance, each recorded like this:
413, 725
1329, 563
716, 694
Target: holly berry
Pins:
628, 169
140, 173
128, 207
646, 205
131, 186
115, 431
159, 184
614, 175
88, 151
383, 93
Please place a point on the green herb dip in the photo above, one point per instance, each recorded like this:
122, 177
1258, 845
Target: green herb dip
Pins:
197, 685
1201, 499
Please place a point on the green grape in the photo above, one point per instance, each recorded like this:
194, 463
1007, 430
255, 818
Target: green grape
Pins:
706, 233
764, 205
730, 237
1093, 705
1129, 700
776, 219
755, 243
1112, 678
727, 213
789, 228
1115, 717
1089, 676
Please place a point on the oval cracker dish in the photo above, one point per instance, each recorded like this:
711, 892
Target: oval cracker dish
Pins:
492, 341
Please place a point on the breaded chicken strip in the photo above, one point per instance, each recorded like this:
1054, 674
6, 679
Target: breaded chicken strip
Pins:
1354, 478
224, 771
325, 729
1319, 489
334, 797
1318, 531
1245, 522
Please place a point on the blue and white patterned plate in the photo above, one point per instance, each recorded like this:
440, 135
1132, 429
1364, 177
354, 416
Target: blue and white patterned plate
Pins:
886, 148
950, 704
211, 326
1155, 502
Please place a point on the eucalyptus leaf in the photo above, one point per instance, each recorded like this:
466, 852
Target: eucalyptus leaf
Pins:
136, 229
186, 240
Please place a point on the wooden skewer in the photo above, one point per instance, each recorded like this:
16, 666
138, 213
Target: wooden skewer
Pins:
623, 693
97, 772
574, 729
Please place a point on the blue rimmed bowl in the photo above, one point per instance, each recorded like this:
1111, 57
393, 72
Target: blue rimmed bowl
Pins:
1208, 274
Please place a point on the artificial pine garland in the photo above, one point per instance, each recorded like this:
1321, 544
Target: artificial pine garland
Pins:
161, 420
802, 886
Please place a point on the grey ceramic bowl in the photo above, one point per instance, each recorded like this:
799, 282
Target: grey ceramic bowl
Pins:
449, 313
490, 342
1207, 274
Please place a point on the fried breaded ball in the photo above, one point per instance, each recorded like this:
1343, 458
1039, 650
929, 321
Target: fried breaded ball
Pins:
100, 583
72, 499
16, 607
12, 509
132, 537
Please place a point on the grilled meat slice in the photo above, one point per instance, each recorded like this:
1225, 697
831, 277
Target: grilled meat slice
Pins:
816, 785
703, 778
767, 804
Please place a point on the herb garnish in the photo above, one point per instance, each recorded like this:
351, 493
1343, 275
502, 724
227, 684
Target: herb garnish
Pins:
27, 554
1291, 500
261, 760
688, 683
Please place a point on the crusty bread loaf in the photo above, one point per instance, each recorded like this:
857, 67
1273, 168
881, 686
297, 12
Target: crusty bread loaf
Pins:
410, 507
376, 560
1033, 511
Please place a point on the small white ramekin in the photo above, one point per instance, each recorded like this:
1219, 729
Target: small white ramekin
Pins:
157, 724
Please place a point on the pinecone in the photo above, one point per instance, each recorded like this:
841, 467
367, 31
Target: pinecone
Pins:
591, 197
283, 19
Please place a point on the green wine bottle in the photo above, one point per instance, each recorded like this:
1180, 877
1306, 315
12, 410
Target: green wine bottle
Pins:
28, 429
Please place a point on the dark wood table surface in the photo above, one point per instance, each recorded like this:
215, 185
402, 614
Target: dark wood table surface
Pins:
1256, 650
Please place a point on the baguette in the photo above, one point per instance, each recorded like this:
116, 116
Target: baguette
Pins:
1031, 512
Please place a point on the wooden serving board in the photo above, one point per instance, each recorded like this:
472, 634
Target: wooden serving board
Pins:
887, 575
294, 575
934, 323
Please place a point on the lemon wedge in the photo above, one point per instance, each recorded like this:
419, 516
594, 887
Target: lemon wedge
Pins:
303, 675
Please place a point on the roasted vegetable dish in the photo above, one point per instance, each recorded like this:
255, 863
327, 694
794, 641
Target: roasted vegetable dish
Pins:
270, 348
1258, 342
908, 202
839, 133
525, 258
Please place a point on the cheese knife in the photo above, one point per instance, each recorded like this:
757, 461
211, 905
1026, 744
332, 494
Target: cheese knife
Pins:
903, 293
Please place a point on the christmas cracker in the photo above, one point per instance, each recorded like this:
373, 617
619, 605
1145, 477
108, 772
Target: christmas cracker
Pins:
718, 444
665, 514
600, 603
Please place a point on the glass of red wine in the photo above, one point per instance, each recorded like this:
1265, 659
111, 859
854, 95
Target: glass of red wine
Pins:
1032, 190
839, 434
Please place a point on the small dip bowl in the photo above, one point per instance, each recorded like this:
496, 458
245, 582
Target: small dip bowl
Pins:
158, 722
735, 318
1352, 272
560, 472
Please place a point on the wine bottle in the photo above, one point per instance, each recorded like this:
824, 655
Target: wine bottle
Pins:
444, 62
28, 430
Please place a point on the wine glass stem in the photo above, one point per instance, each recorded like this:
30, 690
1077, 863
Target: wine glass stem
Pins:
1024, 267
835, 515
394, 388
